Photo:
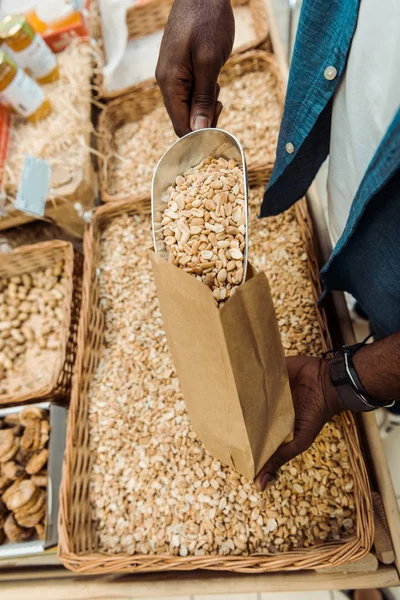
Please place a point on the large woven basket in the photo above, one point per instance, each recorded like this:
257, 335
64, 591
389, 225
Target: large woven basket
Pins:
77, 530
26, 259
133, 107
148, 18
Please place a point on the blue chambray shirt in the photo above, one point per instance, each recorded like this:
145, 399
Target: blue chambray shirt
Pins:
366, 259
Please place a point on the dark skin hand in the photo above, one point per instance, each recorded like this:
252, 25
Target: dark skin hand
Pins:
316, 400
197, 41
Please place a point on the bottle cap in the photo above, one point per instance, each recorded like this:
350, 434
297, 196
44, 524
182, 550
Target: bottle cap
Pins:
12, 24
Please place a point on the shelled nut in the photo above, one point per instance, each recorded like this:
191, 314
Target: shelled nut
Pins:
252, 112
145, 140
31, 310
204, 224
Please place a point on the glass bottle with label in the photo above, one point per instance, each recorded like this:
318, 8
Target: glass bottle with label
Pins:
53, 15
21, 92
28, 49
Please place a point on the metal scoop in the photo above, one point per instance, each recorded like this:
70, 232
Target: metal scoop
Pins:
185, 153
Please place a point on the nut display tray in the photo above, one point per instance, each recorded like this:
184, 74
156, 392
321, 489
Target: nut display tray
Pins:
58, 421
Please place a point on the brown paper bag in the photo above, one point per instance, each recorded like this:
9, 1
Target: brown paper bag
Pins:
230, 364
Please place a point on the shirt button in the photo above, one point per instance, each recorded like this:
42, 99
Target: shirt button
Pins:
330, 73
289, 148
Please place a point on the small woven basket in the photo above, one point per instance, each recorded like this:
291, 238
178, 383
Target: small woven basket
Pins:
151, 17
77, 530
26, 259
132, 107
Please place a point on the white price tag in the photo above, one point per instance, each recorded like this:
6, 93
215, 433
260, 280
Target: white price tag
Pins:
33, 186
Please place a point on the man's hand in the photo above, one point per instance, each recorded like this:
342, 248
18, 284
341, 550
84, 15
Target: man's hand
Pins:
198, 40
315, 402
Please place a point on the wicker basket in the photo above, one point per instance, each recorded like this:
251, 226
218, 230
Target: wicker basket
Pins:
152, 16
134, 106
77, 534
26, 259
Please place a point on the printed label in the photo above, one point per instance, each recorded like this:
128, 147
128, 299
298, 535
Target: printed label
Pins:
37, 57
33, 186
24, 94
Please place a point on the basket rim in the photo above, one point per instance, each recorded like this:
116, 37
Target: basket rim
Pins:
255, 168
39, 248
326, 555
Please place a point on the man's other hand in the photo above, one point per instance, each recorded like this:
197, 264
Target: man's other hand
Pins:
315, 401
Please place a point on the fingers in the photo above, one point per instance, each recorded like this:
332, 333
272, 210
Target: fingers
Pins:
176, 95
205, 94
284, 453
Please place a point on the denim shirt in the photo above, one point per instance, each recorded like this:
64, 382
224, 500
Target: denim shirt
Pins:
366, 259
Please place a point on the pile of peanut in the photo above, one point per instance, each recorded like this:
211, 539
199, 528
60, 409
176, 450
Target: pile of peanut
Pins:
252, 112
204, 227
153, 487
137, 147
23, 475
31, 313
276, 247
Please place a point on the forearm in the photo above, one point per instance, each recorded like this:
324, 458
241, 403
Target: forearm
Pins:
378, 368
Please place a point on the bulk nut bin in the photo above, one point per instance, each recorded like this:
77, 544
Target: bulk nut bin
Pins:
39, 303
150, 18
129, 437
62, 139
135, 130
29, 500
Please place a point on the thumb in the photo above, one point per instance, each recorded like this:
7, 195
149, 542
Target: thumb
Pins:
284, 453
204, 100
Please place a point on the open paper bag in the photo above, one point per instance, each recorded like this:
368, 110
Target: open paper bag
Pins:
230, 364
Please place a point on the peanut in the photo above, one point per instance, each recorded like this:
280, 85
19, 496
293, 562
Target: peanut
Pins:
192, 234
31, 310
252, 112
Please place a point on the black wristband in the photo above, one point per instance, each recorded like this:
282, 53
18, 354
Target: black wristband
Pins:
341, 381
349, 387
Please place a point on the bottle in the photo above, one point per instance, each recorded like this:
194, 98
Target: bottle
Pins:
21, 92
28, 49
52, 15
